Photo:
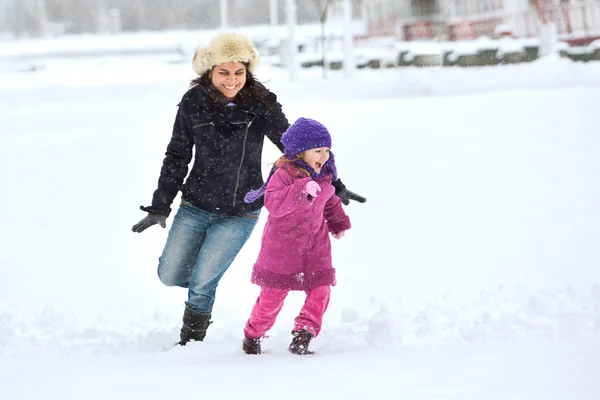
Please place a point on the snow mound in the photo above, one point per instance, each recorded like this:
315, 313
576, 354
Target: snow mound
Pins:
495, 315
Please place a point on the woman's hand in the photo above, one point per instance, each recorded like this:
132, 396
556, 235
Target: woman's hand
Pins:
346, 195
151, 219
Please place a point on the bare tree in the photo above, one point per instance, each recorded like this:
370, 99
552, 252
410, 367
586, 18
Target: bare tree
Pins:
323, 11
357, 7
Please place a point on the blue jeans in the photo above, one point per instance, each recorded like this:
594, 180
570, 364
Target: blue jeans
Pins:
200, 248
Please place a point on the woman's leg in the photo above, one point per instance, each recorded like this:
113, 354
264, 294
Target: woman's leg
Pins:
311, 314
181, 250
264, 313
224, 238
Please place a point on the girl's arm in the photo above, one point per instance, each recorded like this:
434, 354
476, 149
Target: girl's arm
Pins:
285, 194
337, 220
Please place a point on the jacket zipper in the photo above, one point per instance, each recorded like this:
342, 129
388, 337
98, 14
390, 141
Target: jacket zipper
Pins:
199, 125
237, 180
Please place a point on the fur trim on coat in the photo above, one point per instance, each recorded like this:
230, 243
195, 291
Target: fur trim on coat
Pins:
224, 48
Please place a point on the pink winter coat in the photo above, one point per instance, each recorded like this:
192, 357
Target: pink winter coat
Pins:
296, 250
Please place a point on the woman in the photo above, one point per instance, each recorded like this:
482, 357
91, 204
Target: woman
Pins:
225, 116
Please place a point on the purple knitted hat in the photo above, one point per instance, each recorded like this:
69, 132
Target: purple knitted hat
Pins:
302, 135
305, 134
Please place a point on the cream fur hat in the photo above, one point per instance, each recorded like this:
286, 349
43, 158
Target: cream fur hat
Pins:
223, 48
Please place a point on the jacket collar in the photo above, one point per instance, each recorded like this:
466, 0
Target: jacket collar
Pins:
211, 97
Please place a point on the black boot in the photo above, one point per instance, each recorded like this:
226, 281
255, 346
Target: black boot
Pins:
251, 346
194, 326
300, 342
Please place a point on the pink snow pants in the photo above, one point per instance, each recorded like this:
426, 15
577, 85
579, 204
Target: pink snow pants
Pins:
270, 302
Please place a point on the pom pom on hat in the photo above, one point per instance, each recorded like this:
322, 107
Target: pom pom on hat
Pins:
224, 48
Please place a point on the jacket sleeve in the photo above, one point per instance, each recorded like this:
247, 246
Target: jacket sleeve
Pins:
277, 123
285, 194
176, 161
337, 220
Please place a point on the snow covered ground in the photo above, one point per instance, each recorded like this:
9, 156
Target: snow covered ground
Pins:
472, 272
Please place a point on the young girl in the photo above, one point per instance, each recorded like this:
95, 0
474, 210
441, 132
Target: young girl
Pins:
296, 251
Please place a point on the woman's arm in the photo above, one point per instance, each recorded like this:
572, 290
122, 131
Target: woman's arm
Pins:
277, 122
176, 161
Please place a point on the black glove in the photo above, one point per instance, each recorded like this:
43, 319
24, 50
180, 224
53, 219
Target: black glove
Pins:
346, 195
151, 219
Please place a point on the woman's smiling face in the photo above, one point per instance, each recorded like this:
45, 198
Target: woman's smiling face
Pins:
229, 77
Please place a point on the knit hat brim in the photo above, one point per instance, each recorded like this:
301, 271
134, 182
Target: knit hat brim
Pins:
224, 48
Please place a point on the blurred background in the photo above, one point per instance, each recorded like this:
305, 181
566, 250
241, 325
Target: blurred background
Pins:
358, 33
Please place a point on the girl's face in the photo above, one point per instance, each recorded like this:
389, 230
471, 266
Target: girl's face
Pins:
316, 158
229, 77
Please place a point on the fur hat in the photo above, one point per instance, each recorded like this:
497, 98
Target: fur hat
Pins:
224, 48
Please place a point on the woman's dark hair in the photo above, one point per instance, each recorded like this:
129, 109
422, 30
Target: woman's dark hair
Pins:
253, 89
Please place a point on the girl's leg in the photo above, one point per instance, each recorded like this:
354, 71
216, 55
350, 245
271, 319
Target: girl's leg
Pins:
264, 313
180, 253
315, 305
224, 238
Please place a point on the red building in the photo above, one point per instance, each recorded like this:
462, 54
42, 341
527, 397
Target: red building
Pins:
577, 21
